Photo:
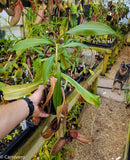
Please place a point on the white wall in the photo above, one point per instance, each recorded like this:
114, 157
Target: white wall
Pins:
127, 2
10, 31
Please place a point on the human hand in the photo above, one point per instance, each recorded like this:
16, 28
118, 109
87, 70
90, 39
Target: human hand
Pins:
36, 97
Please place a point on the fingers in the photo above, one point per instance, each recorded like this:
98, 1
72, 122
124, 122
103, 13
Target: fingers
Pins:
43, 114
37, 93
39, 112
41, 87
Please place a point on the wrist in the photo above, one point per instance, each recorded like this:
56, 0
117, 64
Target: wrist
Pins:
30, 106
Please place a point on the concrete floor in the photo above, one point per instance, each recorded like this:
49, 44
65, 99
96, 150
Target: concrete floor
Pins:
106, 92
107, 81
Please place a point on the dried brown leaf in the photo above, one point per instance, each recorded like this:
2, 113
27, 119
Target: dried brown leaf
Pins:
53, 83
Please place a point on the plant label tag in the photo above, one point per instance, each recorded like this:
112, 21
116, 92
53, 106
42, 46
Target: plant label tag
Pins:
24, 124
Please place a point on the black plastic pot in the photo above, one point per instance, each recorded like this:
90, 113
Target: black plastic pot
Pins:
5, 148
30, 122
51, 107
25, 3
109, 17
2, 146
68, 91
86, 10
2, 34
80, 78
101, 45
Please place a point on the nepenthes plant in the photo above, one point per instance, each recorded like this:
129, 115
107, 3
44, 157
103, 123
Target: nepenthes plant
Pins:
52, 66
51, 71
58, 60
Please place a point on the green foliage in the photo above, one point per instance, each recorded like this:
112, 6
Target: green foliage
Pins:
127, 94
57, 94
2, 85
89, 97
5, 44
45, 151
91, 28
73, 44
17, 91
15, 133
28, 43
39, 51
59, 55
37, 63
8, 138
47, 68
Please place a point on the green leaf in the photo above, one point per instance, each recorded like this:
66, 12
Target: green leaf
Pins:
28, 43
18, 52
17, 91
37, 63
3, 85
89, 97
74, 20
39, 52
57, 94
47, 68
74, 44
91, 72
26, 66
1, 67
15, 65
64, 26
18, 73
64, 62
74, 8
94, 7
91, 28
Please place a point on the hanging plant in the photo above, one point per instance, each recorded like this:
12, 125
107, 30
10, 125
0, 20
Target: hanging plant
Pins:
41, 9
17, 8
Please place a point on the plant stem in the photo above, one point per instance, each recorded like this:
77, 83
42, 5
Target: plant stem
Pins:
45, 21
92, 126
56, 59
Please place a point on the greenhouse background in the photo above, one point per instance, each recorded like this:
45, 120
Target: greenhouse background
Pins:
18, 30
65, 79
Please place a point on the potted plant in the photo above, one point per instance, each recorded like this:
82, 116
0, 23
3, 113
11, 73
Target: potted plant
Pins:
13, 138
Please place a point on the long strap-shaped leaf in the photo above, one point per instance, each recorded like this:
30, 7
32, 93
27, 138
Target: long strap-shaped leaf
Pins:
57, 94
28, 43
3, 85
74, 44
17, 91
47, 68
89, 97
91, 28
42, 75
